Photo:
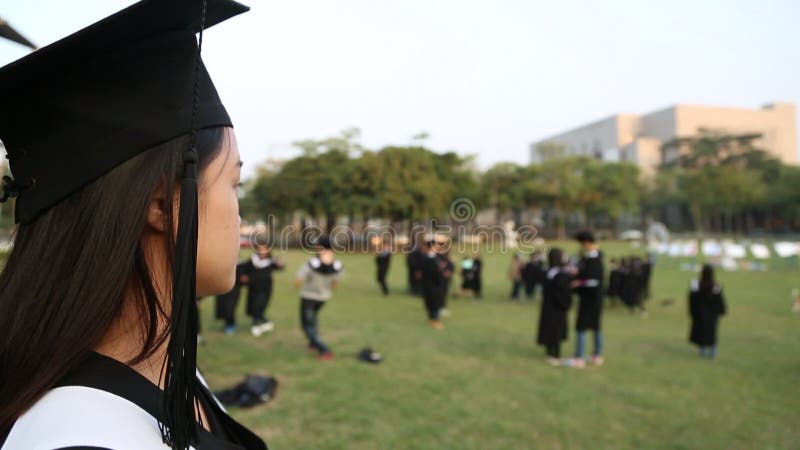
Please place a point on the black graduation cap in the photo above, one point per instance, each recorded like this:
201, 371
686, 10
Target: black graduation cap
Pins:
6, 31
76, 109
72, 111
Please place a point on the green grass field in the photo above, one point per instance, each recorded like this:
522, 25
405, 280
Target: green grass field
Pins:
483, 384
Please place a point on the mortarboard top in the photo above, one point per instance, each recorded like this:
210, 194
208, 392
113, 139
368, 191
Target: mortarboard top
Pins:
73, 110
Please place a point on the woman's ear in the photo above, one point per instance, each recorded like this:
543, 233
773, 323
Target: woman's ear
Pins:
156, 211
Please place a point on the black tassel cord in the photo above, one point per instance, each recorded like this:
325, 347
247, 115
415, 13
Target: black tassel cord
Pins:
179, 428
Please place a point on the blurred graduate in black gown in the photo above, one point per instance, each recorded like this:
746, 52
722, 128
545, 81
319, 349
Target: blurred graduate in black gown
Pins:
533, 274
588, 285
257, 275
471, 275
706, 306
433, 282
556, 301
414, 265
382, 260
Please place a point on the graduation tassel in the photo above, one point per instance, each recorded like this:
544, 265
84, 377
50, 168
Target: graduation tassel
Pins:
180, 385
179, 429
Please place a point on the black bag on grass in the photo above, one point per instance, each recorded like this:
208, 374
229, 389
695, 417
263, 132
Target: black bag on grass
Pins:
254, 390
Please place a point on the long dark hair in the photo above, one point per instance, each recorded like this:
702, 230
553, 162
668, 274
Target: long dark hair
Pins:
68, 272
707, 278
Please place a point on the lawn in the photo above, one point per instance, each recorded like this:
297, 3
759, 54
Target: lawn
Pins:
482, 383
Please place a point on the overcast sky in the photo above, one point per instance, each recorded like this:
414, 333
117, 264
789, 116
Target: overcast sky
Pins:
482, 77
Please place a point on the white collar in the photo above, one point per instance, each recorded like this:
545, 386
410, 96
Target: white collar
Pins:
259, 263
553, 272
316, 263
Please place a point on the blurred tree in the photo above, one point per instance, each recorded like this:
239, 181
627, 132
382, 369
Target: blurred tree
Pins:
616, 190
551, 150
347, 142
504, 184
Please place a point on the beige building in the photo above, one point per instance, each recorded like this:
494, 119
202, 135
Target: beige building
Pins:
639, 138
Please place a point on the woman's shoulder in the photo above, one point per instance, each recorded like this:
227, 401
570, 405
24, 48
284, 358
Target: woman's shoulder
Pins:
72, 416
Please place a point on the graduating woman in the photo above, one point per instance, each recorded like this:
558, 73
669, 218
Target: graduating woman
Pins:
257, 275
706, 306
125, 171
556, 300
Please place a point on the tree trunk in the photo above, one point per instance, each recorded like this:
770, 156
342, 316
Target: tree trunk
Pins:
587, 219
749, 220
560, 223
697, 218
517, 218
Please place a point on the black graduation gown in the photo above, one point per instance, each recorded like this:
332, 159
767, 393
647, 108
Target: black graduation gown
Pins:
631, 288
472, 277
382, 263
226, 303
614, 283
477, 268
106, 374
447, 267
556, 300
433, 281
414, 261
259, 286
533, 274
647, 274
705, 309
590, 306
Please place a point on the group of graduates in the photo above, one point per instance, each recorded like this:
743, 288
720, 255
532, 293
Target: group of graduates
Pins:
430, 276
629, 282
256, 275
561, 280
317, 279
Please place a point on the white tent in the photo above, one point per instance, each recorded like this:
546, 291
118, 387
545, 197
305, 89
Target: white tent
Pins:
786, 249
734, 250
760, 251
711, 248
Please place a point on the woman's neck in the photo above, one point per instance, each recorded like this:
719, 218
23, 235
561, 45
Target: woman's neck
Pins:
124, 338
123, 342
